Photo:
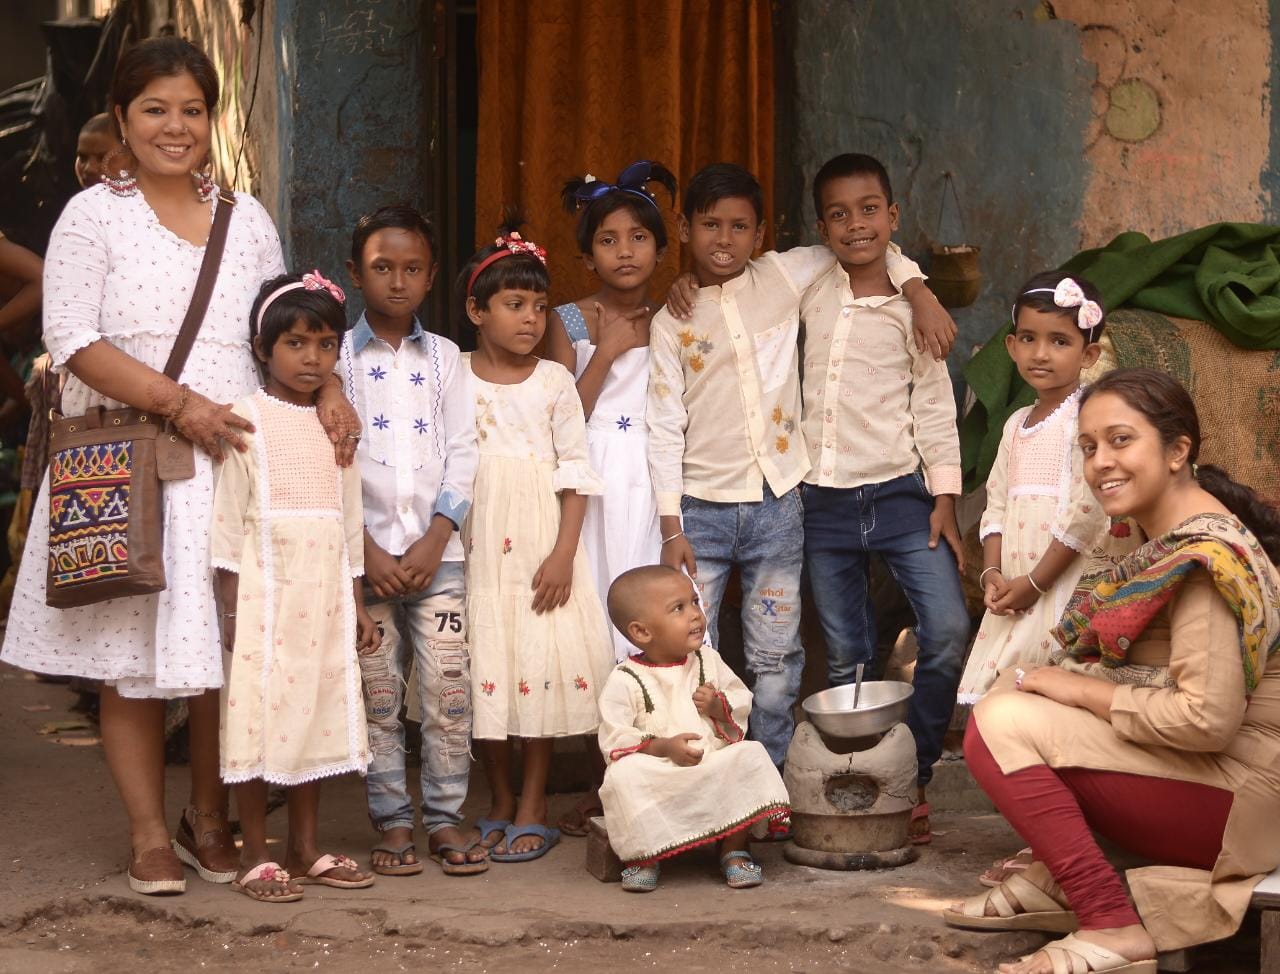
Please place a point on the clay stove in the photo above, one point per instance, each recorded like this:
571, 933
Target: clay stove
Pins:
851, 775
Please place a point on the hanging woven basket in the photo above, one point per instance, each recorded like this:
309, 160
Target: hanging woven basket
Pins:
955, 275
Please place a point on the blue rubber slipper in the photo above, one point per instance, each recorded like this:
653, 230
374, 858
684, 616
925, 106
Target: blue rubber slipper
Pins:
549, 838
488, 825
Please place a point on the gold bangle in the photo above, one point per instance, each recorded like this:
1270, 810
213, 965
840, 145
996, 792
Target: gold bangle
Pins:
1032, 580
678, 534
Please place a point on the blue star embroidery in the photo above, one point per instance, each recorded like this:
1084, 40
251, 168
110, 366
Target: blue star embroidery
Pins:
377, 373
624, 423
417, 378
420, 425
381, 422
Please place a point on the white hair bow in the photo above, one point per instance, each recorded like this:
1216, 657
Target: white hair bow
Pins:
1068, 294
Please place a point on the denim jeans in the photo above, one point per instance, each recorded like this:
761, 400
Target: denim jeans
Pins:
765, 539
436, 648
842, 527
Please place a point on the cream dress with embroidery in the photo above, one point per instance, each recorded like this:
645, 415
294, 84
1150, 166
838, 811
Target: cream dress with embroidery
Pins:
531, 675
652, 807
1036, 494
289, 521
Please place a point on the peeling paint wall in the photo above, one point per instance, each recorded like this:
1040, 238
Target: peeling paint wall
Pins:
1179, 134
991, 92
1064, 123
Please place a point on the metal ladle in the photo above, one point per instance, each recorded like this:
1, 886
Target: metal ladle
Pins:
857, 684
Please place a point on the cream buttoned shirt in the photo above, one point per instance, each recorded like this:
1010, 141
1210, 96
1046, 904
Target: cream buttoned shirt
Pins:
724, 387
875, 408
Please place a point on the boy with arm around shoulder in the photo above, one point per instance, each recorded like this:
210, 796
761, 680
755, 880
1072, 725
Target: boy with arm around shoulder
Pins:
880, 425
726, 450
417, 461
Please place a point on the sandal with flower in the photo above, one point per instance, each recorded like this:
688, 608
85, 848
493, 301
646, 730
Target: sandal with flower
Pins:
640, 878
742, 875
272, 873
318, 874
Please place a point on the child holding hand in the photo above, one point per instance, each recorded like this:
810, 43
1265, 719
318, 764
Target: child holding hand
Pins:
1041, 516
672, 725
287, 544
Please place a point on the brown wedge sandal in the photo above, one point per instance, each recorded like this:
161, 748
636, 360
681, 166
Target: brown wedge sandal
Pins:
213, 855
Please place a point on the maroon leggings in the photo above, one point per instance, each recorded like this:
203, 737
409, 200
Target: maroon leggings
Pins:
1174, 823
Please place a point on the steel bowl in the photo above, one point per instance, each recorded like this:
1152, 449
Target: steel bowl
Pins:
881, 704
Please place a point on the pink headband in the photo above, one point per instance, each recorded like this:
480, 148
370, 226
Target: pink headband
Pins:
315, 281
512, 244
1068, 294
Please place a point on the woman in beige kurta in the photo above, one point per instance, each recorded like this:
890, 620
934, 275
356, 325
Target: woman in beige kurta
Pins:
1164, 685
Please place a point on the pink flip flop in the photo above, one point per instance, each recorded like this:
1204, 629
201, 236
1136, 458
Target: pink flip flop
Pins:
267, 872
316, 874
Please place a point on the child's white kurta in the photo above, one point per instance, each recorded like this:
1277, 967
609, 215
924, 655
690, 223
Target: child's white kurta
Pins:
531, 675
653, 808
1036, 494
289, 521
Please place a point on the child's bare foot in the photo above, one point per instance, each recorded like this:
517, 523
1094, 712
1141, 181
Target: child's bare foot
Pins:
395, 854
1132, 943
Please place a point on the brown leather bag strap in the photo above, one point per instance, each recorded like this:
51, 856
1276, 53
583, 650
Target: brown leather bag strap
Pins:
204, 286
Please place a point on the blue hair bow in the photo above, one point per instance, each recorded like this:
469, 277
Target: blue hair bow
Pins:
630, 180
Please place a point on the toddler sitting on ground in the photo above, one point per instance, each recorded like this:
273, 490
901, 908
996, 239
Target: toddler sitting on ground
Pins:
676, 713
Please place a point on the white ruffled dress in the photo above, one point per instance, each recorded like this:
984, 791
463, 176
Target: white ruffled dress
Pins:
531, 675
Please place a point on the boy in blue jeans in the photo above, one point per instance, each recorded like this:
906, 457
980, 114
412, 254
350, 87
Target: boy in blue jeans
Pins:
880, 425
726, 449
417, 459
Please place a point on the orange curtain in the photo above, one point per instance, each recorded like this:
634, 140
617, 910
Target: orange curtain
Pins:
575, 86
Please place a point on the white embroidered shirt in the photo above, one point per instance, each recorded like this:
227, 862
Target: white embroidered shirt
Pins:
875, 408
418, 451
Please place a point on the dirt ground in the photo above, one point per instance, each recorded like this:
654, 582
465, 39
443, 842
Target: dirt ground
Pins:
65, 906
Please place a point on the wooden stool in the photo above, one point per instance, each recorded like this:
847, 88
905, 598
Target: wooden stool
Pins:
602, 863
1266, 897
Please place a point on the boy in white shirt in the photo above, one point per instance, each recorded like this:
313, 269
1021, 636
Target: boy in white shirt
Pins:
726, 449
879, 420
417, 459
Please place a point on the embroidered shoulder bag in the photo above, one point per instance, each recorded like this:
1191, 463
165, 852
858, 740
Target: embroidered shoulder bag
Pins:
106, 468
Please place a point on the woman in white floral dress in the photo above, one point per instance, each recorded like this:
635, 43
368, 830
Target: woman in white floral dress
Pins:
119, 272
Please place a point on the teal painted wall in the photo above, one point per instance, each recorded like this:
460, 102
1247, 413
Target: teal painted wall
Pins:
988, 91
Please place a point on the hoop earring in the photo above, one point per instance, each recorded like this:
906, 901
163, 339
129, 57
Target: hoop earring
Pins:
204, 182
124, 184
